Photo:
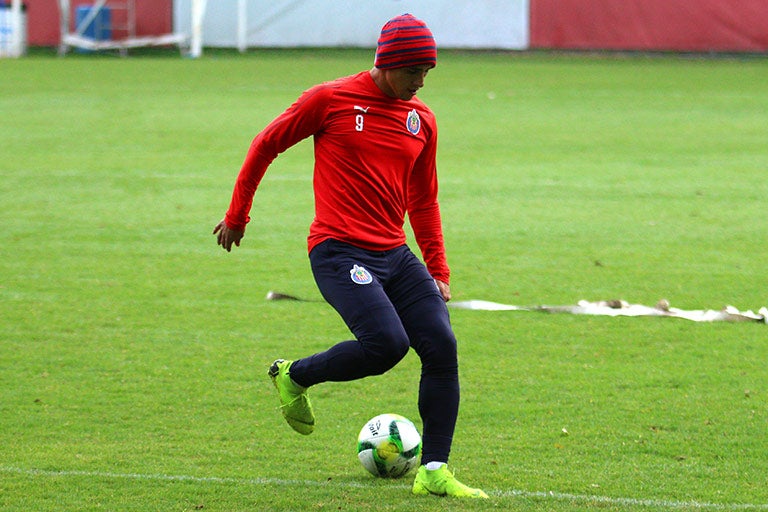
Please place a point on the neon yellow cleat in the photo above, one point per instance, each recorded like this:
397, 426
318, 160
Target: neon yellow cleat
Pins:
294, 402
442, 483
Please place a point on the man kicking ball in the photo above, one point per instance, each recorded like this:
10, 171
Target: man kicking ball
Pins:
375, 161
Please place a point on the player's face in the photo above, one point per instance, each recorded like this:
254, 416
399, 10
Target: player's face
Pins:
403, 83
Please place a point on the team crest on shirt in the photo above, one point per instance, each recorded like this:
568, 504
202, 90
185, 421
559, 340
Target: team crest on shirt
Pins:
360, 276
413, 122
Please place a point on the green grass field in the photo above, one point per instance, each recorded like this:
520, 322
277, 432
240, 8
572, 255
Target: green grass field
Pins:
133, 351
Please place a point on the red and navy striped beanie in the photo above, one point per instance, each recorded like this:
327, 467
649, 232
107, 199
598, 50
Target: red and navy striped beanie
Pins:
405, 41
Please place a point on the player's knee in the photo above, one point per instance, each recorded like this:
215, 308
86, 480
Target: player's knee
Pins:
388, 349
438, 353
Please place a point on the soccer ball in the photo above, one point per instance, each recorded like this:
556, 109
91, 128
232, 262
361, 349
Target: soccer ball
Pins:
389, 446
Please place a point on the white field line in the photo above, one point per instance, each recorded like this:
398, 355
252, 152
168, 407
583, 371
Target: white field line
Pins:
551, 495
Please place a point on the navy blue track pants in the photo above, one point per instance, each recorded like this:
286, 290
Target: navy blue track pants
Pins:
390, 303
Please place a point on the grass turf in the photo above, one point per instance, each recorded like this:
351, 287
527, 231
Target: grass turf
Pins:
134, 352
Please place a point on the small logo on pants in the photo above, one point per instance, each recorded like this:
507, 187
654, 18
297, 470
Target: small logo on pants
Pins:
360, 276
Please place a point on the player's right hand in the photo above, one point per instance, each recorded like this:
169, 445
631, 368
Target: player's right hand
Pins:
225, 236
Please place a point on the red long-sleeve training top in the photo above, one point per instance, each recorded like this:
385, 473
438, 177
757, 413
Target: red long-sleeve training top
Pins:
375, 162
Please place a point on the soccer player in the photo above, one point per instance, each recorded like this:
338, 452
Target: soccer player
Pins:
375, 152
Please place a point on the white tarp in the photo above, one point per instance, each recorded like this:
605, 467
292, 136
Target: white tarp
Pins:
478, 24
624, 308
599, 308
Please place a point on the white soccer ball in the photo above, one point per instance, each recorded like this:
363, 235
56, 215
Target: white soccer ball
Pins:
389, 446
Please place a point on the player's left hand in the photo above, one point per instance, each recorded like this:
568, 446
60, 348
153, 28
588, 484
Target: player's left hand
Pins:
445, 289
